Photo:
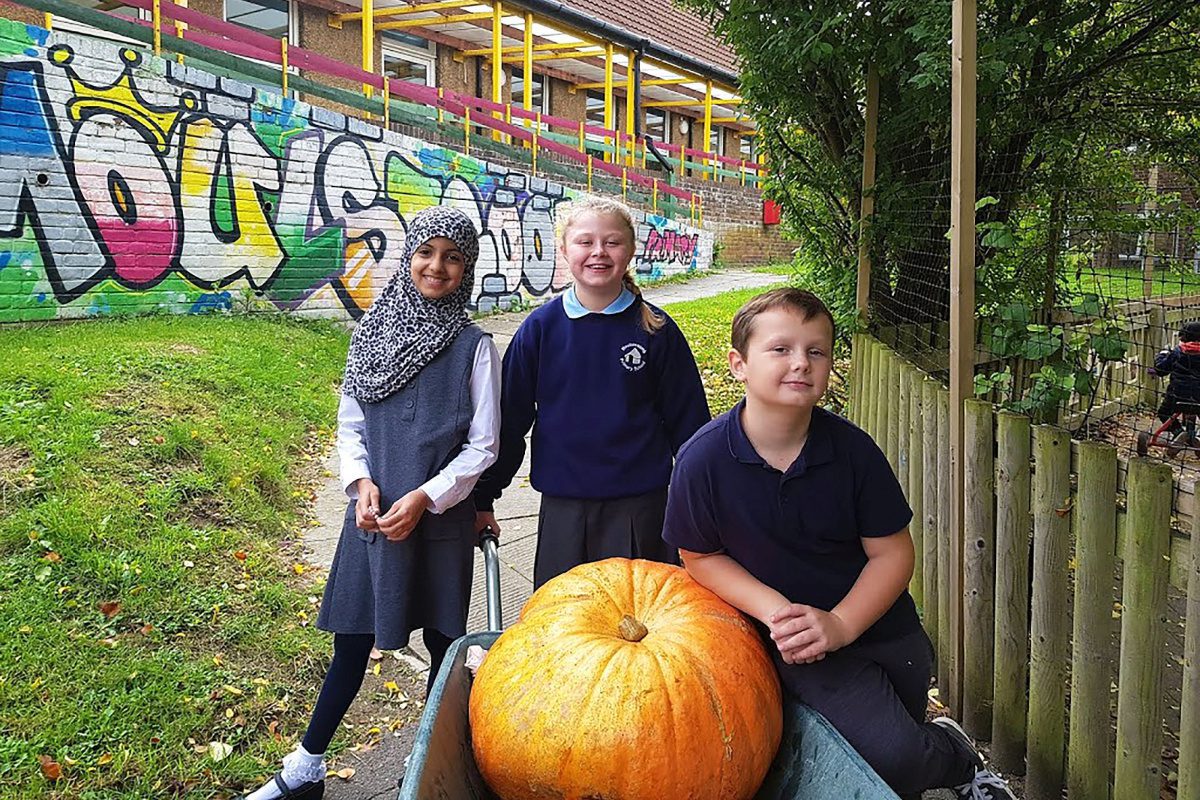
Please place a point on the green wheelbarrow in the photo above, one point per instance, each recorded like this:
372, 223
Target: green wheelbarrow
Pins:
814, 762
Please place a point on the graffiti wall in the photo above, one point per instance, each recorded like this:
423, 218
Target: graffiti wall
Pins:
131, 184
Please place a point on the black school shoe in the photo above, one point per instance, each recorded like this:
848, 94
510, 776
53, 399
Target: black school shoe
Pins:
986, 785
309, 790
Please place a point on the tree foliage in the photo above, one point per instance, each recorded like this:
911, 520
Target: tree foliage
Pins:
1075, 99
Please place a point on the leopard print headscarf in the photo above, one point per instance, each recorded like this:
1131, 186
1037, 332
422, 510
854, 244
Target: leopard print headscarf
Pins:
403, 330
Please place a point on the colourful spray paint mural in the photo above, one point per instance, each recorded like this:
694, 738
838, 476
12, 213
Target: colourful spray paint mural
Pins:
132, 184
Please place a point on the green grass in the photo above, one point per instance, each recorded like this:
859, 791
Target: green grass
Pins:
158, 464
1126, 284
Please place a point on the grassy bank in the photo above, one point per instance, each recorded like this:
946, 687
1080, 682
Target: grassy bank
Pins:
155, 635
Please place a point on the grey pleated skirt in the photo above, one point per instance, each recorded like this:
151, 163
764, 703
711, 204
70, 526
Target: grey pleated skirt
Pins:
390, 588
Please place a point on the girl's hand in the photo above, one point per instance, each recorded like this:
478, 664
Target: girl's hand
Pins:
485, 519
366, 508
400, 520
804, 634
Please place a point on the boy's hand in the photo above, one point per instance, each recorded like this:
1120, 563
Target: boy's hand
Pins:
400, 520
804, 634
366, 508
485, 519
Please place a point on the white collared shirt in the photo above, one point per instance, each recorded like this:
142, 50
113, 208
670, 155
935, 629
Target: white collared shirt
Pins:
453, 483
576, 309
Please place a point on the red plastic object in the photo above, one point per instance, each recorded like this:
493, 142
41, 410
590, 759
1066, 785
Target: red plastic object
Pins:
771, 212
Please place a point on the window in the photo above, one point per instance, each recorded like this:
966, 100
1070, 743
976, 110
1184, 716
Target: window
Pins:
657, 124
595, 107
409, 58
271, 17
71, 26
541, 97
716, 140
746, 148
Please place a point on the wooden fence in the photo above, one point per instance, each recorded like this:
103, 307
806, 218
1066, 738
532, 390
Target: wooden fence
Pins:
1046, 540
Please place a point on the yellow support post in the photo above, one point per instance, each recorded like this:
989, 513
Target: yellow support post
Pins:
156, 21
692, 212
508, 119
497, 59
609, 116
708, 105
654, 196
629, 104
535, 144
527, 66
624, 183
387, 102
582, 137
368, 41
440, 111
425, 21
589, 173
283, 63
180, 27
48, 21
467, 130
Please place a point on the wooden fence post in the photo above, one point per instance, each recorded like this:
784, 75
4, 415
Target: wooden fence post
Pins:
916, 482
1048, 633
1088, 752
892, 433
872, 403
1144, 605
1012, 592
930, 458
946, 622
1189, 709
854, 398
902, 422
979, 566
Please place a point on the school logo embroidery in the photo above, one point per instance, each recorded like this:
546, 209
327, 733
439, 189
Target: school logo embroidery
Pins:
633, 356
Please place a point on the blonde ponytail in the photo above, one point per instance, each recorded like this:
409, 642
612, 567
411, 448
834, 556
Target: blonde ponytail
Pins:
652, 321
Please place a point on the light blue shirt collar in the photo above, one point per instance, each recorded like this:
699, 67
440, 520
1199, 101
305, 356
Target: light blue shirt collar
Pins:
576, 309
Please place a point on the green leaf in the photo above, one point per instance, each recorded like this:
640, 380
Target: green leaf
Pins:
1088, 305
1109, 346
983, 385
984, 202
1040, 343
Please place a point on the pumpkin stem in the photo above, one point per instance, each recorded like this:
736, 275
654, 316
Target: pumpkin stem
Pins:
631, 630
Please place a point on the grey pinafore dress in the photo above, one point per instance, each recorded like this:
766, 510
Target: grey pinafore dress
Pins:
391, 588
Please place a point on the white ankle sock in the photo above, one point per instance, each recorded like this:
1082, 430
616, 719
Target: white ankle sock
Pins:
299, 766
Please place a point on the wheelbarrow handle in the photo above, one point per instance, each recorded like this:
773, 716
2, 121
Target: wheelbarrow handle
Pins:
489, 543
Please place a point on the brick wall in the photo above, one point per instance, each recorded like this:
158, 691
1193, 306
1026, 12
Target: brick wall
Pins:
132, 184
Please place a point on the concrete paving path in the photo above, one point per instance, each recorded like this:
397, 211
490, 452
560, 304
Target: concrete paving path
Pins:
516, 511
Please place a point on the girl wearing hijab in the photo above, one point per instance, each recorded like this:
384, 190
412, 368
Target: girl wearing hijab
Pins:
417, 425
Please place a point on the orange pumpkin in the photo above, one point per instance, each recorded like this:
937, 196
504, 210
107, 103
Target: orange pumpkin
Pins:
626, 680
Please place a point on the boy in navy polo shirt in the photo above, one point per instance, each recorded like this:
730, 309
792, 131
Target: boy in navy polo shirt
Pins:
792, 514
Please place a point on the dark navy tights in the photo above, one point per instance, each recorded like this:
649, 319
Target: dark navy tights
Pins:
351, 655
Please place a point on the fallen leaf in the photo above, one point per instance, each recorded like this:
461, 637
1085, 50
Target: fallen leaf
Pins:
273, 729
188, 564
219, 751
345, 774
240, 555
25, 629
50, 768
133, 441
104, 760
109, 608
159, 439
52, 557
232, 690
146, 629
391, 686
375, 669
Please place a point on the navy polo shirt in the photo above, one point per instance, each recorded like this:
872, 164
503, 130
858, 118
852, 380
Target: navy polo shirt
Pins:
797, 531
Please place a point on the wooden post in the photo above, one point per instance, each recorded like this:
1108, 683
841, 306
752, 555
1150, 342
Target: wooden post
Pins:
853, 391
902, 421
962, 290
1152, 341
1189, 713
872, 404
892, 434
1148, 247
979, 567
1048, 632
1088, 751
916, 482
1144, 604
870, 125
929, 458
947, 656
1012, 592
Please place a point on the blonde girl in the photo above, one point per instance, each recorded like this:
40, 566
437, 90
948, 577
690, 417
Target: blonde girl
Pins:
609, 386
